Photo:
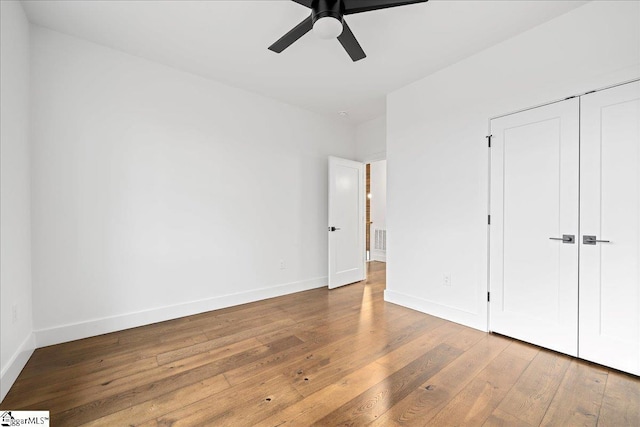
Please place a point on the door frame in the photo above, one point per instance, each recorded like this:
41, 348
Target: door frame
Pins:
367, 201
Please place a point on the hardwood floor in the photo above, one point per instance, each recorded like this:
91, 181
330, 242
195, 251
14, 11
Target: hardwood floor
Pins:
340, 357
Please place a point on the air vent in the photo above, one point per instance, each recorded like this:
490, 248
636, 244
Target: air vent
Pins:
380, 240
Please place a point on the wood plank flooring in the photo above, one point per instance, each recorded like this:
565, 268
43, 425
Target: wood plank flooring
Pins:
340, 357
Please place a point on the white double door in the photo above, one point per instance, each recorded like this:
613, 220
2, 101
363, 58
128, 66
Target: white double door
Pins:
565, 226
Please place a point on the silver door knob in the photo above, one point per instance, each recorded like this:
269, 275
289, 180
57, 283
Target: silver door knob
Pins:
591, 240
566, 238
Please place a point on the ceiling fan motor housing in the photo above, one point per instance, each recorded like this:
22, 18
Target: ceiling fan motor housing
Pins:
326, 21
326, 8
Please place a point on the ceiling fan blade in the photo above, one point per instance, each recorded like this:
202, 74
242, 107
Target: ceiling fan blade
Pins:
350, 44
359, 6
306, 3
288, 39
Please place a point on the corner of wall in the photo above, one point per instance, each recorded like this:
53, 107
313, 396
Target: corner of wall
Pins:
18, 361
371, 140
17, 341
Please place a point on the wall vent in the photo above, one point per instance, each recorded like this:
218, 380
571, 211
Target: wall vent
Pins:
380, 240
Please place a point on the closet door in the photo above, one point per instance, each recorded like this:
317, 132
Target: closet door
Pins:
534, 203
610, 212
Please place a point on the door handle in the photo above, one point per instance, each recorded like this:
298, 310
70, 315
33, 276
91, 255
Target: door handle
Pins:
566, 238
591, 240
333, 229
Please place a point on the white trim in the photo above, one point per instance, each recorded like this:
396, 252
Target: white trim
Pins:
377, 255
564, 99
15, 365
466, 318
65, 333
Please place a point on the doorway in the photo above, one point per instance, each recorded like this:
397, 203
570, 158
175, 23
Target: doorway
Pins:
357, 219
376, 211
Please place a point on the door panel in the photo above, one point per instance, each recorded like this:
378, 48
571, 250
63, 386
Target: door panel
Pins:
346, 214
610, 210
534, 197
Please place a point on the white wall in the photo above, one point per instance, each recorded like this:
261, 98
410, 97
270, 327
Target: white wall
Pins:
438, 159
159, 194
16, 341
371, 140
378, 205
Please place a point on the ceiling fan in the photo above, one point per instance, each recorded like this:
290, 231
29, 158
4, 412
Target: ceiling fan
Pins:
327, 22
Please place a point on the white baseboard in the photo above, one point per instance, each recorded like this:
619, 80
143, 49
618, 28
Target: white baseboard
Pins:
379, 256
90, 328
473, 320
15, 365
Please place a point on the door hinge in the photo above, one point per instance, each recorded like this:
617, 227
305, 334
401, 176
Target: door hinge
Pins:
488, 296
489, 219
489, 140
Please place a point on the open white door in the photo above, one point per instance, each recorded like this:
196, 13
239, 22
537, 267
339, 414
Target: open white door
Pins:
346, 222
534, 226
610, 227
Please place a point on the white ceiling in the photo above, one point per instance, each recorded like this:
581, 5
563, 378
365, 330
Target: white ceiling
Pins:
227, 41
